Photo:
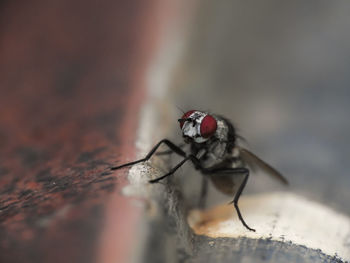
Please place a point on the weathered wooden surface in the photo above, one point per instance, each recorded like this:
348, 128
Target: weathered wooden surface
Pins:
69, 72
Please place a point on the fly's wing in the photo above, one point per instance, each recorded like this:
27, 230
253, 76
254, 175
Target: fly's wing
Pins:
255, 162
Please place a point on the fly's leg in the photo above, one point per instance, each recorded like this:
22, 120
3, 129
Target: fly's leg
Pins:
237, 195
234, 171
169, 151
171, 145
196, 162
204, 191
173, 170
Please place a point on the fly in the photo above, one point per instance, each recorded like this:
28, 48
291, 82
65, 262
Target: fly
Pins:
214, 151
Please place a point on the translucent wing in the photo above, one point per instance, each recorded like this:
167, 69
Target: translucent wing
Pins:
255, 162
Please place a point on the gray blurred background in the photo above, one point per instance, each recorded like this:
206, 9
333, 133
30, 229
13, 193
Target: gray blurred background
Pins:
280, 72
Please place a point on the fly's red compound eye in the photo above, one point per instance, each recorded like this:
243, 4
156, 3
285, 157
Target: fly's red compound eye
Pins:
208, 126
185, 116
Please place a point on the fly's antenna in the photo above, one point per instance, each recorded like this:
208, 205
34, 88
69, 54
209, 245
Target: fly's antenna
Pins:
183, 112
208, 112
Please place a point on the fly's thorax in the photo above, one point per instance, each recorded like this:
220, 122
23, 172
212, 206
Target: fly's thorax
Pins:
236, 158
216, 153
221, 130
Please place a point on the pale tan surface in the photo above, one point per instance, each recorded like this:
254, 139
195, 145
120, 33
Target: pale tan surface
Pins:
279, 216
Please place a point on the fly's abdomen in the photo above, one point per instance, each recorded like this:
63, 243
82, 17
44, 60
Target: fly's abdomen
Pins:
224, 183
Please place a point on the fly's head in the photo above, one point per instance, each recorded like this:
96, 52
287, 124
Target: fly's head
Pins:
197, 126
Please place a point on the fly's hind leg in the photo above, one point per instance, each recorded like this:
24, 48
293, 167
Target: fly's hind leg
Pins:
171, 145
236, 198
235, 171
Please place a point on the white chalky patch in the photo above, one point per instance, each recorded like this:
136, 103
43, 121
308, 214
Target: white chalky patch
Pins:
282, 217
158, 82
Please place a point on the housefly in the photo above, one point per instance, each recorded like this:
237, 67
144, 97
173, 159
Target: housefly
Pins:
215, 152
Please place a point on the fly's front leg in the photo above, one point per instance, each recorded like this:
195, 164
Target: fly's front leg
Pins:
235, 171
171, 145
191, 157
170, 151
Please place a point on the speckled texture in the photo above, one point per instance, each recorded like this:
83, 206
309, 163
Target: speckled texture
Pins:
250, 250
67, 72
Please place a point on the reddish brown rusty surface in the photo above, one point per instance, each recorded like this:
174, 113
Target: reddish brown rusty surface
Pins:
70, 73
